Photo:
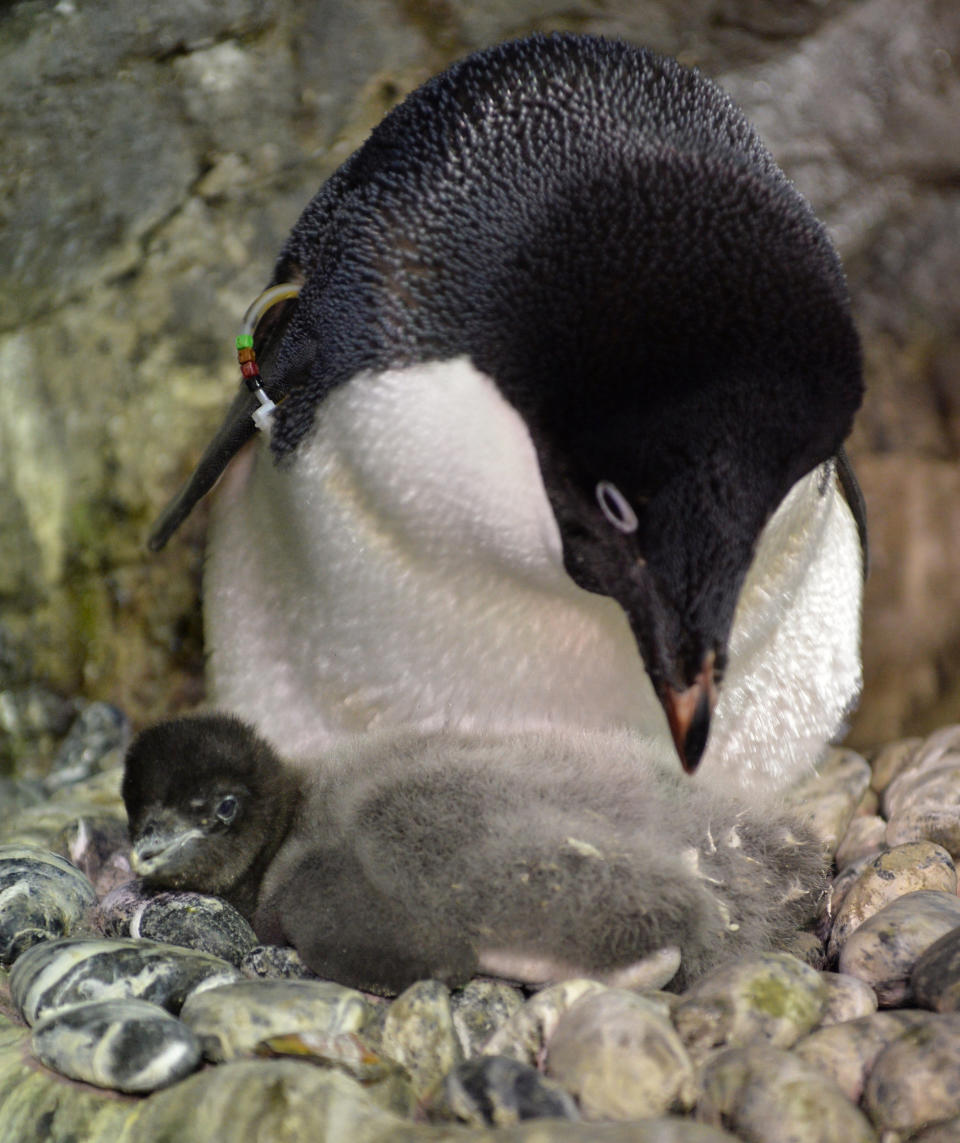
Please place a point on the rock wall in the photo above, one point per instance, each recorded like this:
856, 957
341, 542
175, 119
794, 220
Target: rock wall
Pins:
154, 157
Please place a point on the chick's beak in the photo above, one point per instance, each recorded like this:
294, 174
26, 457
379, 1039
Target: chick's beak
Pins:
163, 847
688, 713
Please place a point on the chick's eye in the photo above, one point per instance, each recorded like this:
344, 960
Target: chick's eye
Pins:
227, 808
616, 507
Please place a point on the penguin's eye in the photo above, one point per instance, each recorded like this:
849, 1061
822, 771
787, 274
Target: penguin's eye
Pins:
616, 507
227, 808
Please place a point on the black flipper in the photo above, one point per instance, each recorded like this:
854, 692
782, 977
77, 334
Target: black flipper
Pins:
237, 428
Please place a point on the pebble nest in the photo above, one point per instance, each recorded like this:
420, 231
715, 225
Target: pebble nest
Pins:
129, 1017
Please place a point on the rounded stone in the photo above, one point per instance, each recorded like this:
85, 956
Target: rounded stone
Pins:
890, 760
620, 1056
42, 897
479, 1009
939, 756
846, 1052
39, 1106
232, 1020
904, 869
865, 837
885, 949
523, 1035
936, 746
829, 798
128, 1045
44, 825
916, 1079
99, 735
57, 974
839, 887
351, 1053
418, 1034
119, 906
274, 962
772, 997
275, 1100
847, 998
101, 792
936, 976
869, 804
495, 1091
770, 1096
946, 1132
929, 811
188, 920
31, 715
18, 793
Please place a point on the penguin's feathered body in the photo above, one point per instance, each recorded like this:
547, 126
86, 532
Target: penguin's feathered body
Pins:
535, 856
564, 388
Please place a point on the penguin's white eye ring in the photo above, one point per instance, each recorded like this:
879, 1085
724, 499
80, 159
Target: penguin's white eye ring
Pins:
616, 507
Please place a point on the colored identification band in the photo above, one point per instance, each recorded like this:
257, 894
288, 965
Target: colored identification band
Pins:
246, 355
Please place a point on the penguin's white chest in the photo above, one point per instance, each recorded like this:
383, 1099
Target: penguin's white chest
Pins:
406, 570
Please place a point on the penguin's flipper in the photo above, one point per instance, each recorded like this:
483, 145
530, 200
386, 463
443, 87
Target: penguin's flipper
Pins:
237, 428
852, 493
270, 321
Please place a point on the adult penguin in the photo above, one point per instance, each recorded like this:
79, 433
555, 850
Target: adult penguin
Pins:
561, 405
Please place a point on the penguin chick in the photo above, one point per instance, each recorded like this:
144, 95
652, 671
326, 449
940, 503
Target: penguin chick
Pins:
533, 856
564, 386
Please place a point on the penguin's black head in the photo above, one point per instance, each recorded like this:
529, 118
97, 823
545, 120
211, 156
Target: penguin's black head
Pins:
208, 803
695, 341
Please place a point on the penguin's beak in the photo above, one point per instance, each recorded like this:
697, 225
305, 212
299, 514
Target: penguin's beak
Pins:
688, 713
164, 847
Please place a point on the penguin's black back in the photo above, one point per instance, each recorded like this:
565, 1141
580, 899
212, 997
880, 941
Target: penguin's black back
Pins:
565, 209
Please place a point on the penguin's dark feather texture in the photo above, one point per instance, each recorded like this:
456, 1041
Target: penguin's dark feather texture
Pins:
565, 208
419, 856
600, 230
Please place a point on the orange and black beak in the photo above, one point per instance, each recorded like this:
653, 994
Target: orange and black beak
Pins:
689, 711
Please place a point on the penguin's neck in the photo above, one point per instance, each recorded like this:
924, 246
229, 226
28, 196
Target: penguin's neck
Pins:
405, 570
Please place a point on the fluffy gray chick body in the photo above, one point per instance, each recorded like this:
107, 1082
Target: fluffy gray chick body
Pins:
534, 857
